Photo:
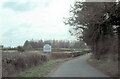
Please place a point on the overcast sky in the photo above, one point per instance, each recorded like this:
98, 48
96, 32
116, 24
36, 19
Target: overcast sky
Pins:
22, 20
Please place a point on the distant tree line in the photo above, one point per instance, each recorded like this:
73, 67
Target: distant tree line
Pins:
32, 44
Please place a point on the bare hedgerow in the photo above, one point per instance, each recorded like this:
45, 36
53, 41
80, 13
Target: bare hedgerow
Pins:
16, 62
13, 63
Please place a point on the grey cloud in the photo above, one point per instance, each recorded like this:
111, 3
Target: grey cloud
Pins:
20, 7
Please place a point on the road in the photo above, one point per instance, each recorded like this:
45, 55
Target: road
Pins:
76, 68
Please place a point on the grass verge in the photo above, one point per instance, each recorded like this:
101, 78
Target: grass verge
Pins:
108, 68
42, 71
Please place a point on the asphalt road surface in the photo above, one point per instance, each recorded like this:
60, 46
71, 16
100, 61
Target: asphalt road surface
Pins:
77, 68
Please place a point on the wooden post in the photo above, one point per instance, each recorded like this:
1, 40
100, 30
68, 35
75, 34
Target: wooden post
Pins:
1, 47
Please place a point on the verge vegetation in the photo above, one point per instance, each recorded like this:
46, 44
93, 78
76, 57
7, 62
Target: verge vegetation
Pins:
16, 62
109, 68
42, 71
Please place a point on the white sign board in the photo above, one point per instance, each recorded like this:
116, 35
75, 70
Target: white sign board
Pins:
47, 48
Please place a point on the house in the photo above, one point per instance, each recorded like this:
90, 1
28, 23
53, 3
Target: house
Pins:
47, 48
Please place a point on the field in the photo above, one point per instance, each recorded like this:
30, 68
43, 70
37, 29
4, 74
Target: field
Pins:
8, 51
60, 50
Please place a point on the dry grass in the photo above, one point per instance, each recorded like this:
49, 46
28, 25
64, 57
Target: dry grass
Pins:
109, 68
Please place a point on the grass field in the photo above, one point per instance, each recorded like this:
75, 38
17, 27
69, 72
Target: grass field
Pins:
9, 51
64, 50
35, 51
40, 51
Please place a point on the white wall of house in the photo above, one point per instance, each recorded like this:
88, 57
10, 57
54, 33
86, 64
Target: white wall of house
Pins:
47, 48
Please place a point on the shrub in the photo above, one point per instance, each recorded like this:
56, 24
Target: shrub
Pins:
16, 62
20, 49
65, 55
